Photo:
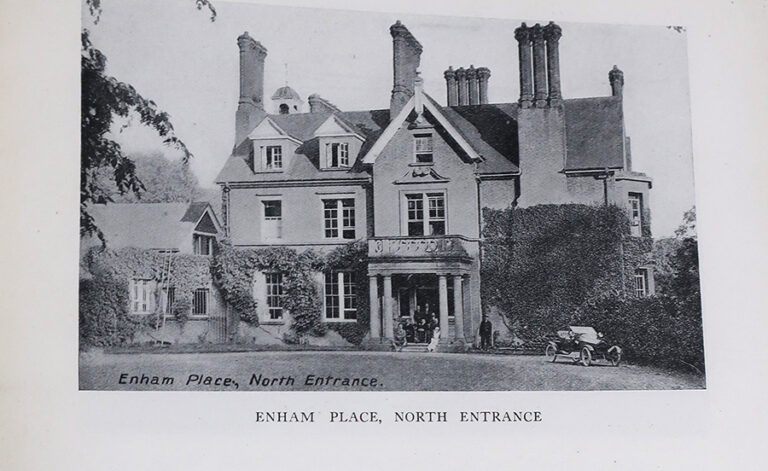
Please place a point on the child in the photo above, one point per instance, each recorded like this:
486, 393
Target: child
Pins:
435, 338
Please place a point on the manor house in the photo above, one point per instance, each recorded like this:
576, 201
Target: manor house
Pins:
412, 179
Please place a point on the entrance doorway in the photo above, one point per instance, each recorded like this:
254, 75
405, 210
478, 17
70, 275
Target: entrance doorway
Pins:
419, 305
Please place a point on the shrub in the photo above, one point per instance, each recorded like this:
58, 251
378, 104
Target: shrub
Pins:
657, 330
104, 318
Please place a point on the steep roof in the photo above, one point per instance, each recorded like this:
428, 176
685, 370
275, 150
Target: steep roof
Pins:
306, 164
147, 225
593, 128
594, 133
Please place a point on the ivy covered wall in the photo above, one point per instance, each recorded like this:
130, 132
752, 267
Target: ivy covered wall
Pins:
542, 262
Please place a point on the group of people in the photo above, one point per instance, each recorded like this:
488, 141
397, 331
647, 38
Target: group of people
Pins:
426, 329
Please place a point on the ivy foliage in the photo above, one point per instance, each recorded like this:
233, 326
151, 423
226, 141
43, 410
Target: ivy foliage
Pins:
188, 272
104, 319
353, 257
540, 263
235, 270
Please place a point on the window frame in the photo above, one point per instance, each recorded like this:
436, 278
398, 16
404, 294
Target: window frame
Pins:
268, 154
148, 286
426, 196
635, 221
341, 280
264, 219
417, 152
642, 275
340, 218
342, 153
206, 291
197, 237
274, 314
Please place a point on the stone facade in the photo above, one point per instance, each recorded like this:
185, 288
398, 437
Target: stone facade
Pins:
413, 179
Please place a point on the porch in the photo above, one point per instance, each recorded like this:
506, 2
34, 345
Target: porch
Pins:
421, 283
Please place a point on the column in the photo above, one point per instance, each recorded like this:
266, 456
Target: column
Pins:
552, 34
443, 288
458, 308
389, 331
539, 67
373, 296
522, 34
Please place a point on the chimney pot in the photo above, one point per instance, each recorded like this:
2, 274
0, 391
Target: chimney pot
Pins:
461, 79
539, 66
474, 92
552, 34
523, 36
616, 77
483, 74
450, 85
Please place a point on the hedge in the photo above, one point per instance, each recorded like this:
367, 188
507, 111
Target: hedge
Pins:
658, 330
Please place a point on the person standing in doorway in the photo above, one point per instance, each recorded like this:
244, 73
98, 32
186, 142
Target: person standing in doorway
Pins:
486, 333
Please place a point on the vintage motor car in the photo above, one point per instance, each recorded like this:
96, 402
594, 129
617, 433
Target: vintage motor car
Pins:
582, 345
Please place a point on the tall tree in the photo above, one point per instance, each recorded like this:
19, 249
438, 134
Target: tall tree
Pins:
103, 99
163, 180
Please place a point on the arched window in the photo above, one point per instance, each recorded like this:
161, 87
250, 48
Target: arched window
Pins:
284, 109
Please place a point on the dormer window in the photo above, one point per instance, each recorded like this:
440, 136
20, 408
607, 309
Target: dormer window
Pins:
337, 154
272, 158
422, 148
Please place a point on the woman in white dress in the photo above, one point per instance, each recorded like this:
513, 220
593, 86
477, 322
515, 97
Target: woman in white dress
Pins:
435, 338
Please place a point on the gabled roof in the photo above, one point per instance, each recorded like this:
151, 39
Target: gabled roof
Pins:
594, 130
436, 113
305, 164
149, 225
268, 129
336, 126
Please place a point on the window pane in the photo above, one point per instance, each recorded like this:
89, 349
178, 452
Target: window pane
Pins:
331, 296
274, 158
200, 302
348, 218
331, 218
415, 207
350, 295
274, 295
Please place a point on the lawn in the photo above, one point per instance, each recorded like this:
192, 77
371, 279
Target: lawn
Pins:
391, 371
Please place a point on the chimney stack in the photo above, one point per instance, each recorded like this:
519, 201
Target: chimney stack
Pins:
616, 77
461, 78
474, 92
318, 104
552, 34
539, 56
483, 74
406, 56
450, 85
523, 36
250, 106
539, 67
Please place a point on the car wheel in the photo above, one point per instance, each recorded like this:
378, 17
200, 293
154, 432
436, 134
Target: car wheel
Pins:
551, 353
585, 357
614, 356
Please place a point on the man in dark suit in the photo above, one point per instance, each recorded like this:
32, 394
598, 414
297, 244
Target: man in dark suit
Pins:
486, 332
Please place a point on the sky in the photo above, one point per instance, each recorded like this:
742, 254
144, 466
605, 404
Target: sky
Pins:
173, 54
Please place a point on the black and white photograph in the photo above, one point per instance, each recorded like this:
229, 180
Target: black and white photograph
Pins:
365, 234
489, 205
